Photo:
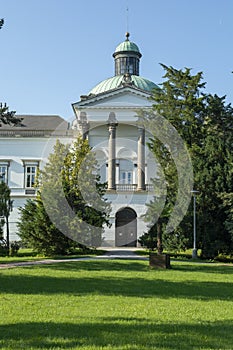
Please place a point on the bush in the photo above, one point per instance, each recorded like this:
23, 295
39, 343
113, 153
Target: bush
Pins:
149, 239
3, 247
175, 242
14, 248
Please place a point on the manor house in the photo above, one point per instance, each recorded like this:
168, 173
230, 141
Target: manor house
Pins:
107, 117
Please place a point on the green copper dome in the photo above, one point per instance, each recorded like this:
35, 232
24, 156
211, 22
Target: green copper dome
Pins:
119, 80
126, 58
127, 46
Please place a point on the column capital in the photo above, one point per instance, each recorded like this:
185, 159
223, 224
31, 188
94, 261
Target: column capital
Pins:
141, 130
112, 121
112, 125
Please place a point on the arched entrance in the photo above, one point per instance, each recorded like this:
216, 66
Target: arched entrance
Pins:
126, 228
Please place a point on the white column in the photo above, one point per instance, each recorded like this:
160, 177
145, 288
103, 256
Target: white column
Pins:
141, 159
112, 156
118, 173
135, 174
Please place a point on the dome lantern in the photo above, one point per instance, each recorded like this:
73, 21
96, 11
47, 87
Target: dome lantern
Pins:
127, 57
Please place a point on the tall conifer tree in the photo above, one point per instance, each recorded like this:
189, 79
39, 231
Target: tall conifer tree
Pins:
205, 124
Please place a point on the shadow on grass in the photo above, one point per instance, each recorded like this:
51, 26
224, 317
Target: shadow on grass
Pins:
135, 333
204, 267
133, 285
101, 265
134, 265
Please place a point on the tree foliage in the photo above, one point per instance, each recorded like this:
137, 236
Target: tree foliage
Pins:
214, 177
64, 214
38, 232
149, 239
6, 206
8, 117
227, 206
205, 123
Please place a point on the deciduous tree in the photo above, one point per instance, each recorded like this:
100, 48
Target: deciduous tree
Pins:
70, 209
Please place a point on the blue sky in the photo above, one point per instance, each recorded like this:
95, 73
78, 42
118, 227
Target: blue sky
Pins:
53, 51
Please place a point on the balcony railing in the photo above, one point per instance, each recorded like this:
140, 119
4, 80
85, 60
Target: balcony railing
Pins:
126, 187
132, 187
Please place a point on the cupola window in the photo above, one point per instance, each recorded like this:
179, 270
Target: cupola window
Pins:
125, 65
127, 58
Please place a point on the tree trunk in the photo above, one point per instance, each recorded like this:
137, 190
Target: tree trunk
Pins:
159, 238
7, 236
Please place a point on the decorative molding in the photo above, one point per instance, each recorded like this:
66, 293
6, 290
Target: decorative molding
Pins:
35, 162
5, 162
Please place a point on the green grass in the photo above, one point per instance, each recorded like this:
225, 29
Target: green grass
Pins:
25, 255
117, 305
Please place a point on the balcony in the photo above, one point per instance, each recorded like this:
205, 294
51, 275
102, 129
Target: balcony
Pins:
132, 188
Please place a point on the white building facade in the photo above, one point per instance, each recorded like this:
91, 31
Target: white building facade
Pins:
107, 117
24, 150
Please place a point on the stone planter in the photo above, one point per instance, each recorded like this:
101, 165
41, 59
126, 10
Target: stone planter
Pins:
159, 261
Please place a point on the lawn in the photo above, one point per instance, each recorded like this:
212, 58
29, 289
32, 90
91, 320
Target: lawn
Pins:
117, 305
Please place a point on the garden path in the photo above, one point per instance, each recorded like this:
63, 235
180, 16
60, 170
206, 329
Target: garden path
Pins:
110, 253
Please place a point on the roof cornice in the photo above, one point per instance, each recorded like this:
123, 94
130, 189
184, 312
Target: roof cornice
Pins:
118, 91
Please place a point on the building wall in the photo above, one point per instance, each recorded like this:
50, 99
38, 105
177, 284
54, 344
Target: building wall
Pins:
124, 104
17, 152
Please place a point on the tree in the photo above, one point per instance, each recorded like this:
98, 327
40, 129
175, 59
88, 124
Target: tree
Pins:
227, 199
6, 206
38, 232
181, 103
76, 192
215, 177
149, 239
36, 229
8, 117
205, 124
85, 194
64, 214
158, 209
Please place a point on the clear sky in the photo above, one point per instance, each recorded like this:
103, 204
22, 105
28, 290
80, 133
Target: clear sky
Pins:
53, 51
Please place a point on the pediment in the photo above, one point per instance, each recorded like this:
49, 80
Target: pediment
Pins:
124, 97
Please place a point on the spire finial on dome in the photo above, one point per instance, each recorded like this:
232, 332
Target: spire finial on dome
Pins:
127, 36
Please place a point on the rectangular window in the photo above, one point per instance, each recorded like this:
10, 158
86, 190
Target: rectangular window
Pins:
30, 175
3, 173
126, 177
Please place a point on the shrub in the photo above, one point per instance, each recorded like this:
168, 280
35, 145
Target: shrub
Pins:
14, 248
3, 247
